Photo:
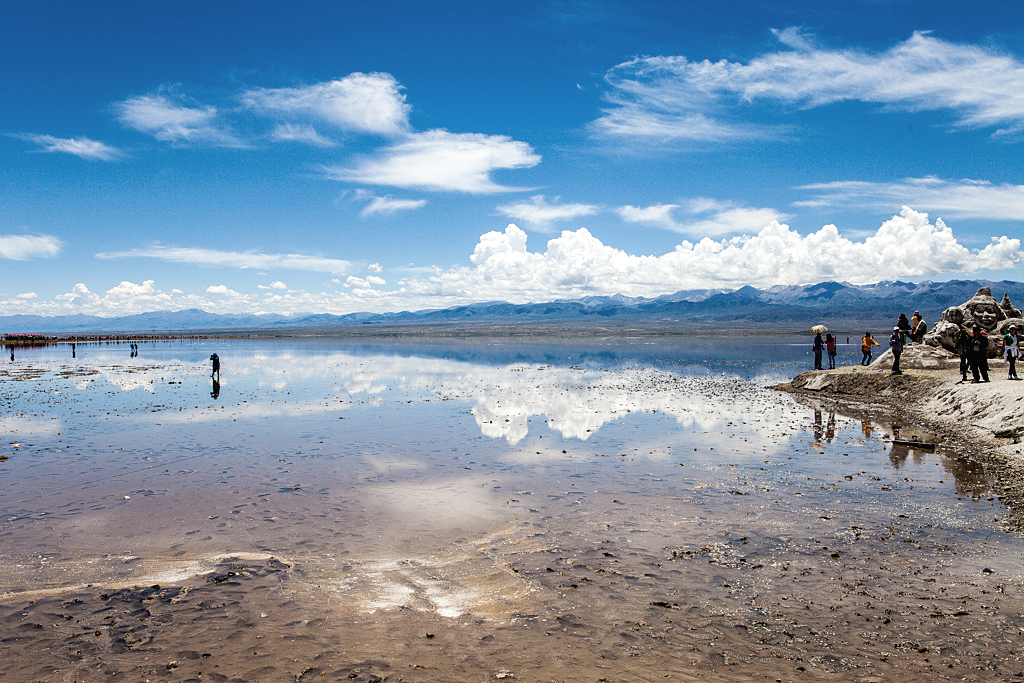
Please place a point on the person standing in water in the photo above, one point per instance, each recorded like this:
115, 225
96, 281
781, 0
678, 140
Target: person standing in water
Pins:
215, 360
865, 348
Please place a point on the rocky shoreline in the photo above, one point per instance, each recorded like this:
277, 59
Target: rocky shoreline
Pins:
983, 422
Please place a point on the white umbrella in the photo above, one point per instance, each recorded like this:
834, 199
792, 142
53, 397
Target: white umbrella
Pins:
818, 329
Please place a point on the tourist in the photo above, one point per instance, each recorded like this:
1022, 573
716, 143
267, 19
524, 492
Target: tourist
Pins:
962, 340
904, 326
918, 327
896, 344
1011, 350
830, 347
979, 355
215, 360
818, 346
865, 348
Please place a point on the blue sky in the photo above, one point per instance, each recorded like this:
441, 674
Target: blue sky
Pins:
348, 156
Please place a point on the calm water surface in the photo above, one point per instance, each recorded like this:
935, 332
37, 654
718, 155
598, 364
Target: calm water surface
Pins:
401, 473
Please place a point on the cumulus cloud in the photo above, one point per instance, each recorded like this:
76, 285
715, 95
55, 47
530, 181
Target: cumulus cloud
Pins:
367, 103
290, 132
668, 98
538, 213
80, 147
439, 160
170, 121
955, 199
273, 285
234, 259
375, 268
27, 295
25, 247
708, 217
220, 289
386, 205
577, 264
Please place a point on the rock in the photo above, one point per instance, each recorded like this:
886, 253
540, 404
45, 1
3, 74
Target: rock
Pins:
920, 357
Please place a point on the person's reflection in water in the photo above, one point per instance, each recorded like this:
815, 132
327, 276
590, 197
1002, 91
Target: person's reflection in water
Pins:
830, 427
73, 351
898, 455
817, 425
867, 428
215, 393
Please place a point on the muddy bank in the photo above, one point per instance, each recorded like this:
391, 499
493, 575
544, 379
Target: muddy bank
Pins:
981, 422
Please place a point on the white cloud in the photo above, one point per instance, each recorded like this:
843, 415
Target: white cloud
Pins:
277, 284
169, 121
220, 289
290, 132
364, 283
576, 264
955, 199
375, 268
667, 98
721, 218
369, 103
234, 259
540, 214
25, 247
80, 147
387, 205
27, 295
439, 160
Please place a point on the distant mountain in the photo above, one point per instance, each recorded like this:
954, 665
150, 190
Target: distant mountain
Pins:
834, 303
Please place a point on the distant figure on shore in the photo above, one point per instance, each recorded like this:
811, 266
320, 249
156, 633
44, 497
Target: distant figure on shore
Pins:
918, 327
215, 360
896, 344
963, 349
1011, 350
818, 346
866, 345
830, 347
979, 355
904, 326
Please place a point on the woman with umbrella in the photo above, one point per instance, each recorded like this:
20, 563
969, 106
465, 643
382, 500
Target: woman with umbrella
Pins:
819, 345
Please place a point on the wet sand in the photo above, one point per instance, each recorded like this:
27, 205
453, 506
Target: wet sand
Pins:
626, 554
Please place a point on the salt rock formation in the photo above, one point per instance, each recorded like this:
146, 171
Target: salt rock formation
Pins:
982, 310
919, 357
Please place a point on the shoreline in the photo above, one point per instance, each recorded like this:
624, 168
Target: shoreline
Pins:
982, 423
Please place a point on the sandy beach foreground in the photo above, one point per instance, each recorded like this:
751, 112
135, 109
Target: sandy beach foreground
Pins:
619, 556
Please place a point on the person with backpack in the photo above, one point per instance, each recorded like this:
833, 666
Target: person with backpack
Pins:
866, 345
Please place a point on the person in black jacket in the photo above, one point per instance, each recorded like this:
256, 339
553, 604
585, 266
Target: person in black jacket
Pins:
979, 355
818, 346
896, 344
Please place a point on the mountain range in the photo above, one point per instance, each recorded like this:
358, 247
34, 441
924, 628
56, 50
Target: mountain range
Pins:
832, 303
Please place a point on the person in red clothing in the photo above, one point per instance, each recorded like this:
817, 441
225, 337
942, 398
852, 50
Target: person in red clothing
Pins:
830, 348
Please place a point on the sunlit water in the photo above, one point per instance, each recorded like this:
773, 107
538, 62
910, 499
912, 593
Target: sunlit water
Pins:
397, 475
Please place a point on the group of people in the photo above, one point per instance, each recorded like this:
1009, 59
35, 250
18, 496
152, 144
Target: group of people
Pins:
972, 345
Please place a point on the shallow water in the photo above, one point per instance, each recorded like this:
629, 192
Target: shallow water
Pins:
494, 480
